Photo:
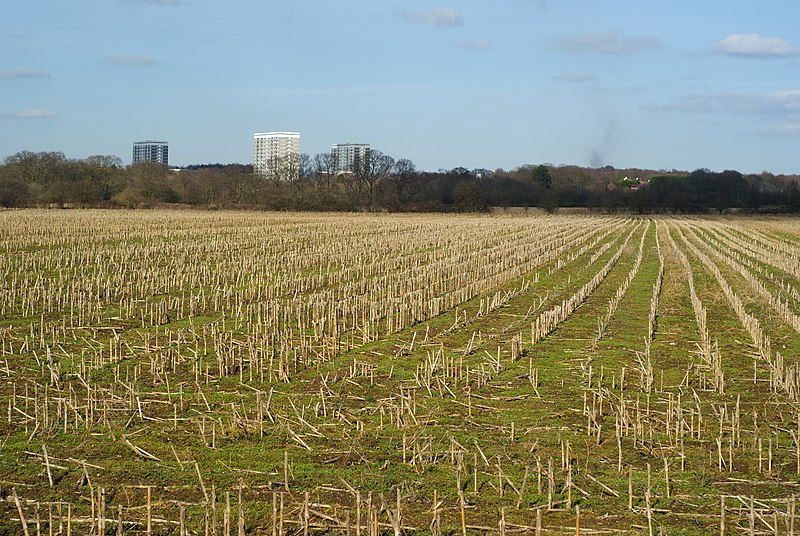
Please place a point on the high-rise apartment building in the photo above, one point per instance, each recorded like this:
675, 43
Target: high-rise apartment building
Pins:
276, 154
151, 151
348, 157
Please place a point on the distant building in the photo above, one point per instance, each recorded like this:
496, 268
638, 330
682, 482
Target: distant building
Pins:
348, 157
151, 151
276, 154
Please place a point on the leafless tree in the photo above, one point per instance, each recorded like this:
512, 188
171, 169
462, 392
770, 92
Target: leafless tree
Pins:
403, 174
372, 171
324, 170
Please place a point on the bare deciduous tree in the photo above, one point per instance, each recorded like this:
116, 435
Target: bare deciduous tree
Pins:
324, 170
402, 177
372, 171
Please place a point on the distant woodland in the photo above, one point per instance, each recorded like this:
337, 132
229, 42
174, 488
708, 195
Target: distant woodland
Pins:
384, 184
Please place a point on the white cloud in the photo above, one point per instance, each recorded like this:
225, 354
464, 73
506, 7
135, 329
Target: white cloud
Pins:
688, 103
778, 105
782, 130
575, 77
121, 59
438, 16
36, 113
788, 100
475, 45
24, 72
785, 102
605, 43
753, 45
153, 2
4, 34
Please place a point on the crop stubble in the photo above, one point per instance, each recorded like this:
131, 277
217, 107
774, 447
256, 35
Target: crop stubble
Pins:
218, 373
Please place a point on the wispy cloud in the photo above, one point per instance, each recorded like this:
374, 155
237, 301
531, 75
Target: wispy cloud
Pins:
780, 108
36, 113
544, 4
122, 59
785, 102
153, 2
438, 16
575, 77
782, 130
755, 46
475, 45
24, 72
11, 35
615, 43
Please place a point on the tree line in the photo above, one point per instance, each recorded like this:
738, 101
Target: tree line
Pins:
382, 183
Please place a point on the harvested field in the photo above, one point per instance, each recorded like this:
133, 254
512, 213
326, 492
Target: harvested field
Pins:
176, 372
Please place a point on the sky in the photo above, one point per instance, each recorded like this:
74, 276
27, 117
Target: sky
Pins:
658, 84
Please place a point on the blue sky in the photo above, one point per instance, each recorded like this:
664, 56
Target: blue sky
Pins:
659, 84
